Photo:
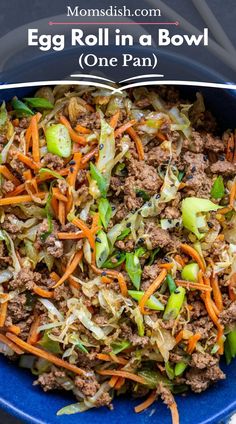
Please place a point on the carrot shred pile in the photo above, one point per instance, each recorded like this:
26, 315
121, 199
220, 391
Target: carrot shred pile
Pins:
151, 289
148, 402
70, 268
138, 142
43, 354
74, 136
193, 342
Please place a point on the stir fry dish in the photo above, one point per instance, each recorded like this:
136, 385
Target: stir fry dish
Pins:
117, 243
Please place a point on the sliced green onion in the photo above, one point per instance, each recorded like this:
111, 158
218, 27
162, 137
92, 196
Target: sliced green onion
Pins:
50, 345
171, 284
50, 172
119, 346
174, 304
191, 207
115, 260
58, 140
3, 114
133, 268
153, 255
124, 234
143, 194
105, 211
181, 175
100, 179
180, 367
102, 248
190, 272
230, 346
38, 102
169, 371
218, 188
21, 108
152, 302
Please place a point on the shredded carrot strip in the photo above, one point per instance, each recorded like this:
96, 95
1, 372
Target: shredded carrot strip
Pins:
120, 383
138, 142
43, 293
14, 329
151, 289
28, 134
87, 232
62, 212
106, 280
19, 199
232, 195
27, 175
112, 358
16, 122
179, 337
194, 254
86, 158
70, 236
45, 355
8, 175
71, 179
74, 136
58, 195
27, 161
55, 205
232, 287
161, 136
82, 130
33, 333
114, 120
35, 139
126, 374
192, 285
148, 402
193, 342
112, 382
18, 190
124, 127
70, 268
180, 260
10, 344
174, 413
54, 276
167, 266
3, 313
217, 293
115, 274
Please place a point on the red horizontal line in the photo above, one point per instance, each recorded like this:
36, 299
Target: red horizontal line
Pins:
113, 23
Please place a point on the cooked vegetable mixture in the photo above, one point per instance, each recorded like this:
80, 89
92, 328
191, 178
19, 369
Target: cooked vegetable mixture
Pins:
117, 243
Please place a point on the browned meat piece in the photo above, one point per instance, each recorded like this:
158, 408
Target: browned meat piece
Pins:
25, 279
223, 167
141, 177
53, 161
200, 380
53, 380
90, 120
126, 245
160, 238
18, 309
215, 144
204, 326
150, 272
104, 400
203, 360
195, 143
197, 182
87, 385
116, 185
9, 224
157, 156
228, 316
198, 310
171, 212
144, 102
7, 187
52, 244
62, 185
139, 341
